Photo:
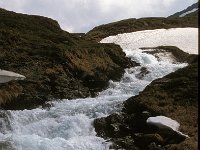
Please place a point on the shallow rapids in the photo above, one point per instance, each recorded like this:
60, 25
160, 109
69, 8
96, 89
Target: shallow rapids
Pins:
68, 125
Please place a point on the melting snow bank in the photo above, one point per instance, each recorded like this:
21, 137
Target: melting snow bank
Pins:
6, 76
68, 125
165, 123
184, 38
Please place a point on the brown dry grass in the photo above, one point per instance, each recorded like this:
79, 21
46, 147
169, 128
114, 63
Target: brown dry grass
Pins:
9, 91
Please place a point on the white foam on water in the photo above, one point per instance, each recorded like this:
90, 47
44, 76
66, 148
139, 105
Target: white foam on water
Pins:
68, 125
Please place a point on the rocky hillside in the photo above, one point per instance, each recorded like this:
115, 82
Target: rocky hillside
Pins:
132, 25
188, 12
56, 64
174, 96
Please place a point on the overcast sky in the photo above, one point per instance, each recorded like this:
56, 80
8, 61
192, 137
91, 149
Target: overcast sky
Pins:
83, 15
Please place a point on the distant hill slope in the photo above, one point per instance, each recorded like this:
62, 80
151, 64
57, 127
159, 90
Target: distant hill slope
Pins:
189, 11
56, 64
132, 25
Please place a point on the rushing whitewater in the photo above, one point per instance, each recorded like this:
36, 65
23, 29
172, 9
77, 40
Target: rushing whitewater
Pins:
68, 125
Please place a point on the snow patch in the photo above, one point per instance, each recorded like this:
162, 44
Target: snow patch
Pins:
6, 76
165, 123
184, 38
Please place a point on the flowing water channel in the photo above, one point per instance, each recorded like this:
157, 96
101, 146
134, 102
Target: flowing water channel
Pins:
68, 125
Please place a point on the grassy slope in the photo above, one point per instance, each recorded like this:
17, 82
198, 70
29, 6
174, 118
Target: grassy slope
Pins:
57, 64
132, 25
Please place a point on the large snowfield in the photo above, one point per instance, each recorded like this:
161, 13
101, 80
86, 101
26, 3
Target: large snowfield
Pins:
184, 38
68, 125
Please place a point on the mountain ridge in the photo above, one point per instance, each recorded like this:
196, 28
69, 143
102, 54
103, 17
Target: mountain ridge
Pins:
188, 9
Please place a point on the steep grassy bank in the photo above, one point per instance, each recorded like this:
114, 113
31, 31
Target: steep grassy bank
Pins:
174, 96
56, 64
